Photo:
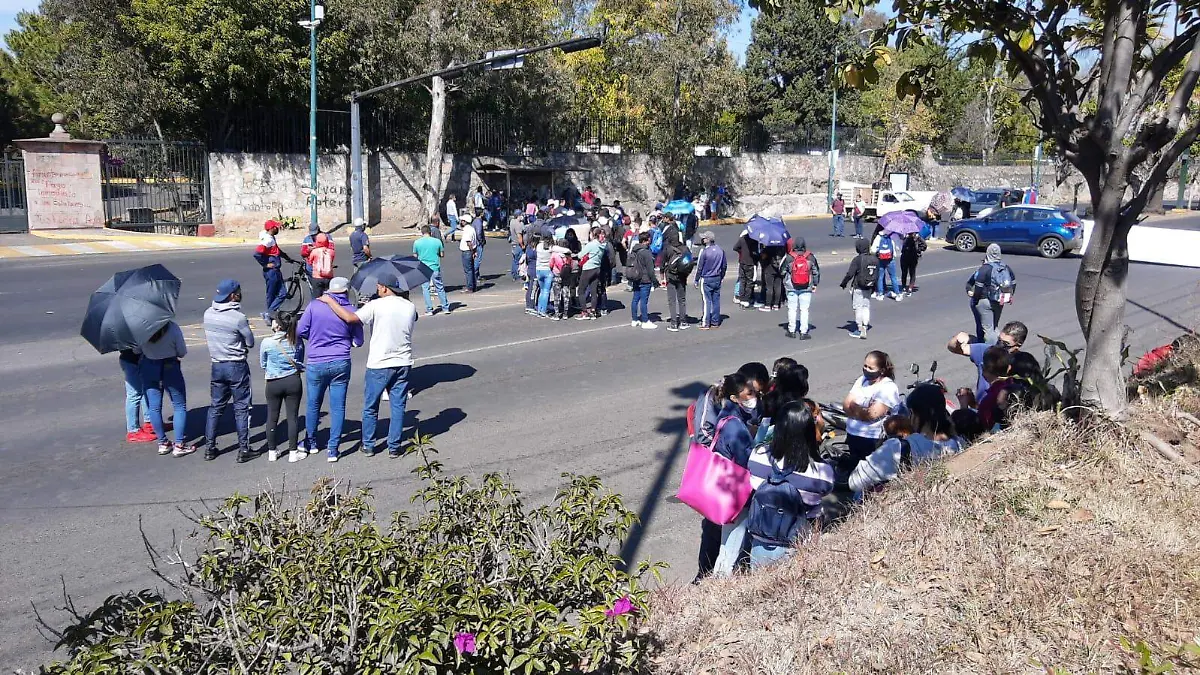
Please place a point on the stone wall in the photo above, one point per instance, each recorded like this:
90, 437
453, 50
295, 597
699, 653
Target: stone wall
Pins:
249, 188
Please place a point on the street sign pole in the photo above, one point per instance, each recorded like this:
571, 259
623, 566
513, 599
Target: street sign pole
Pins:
832, 132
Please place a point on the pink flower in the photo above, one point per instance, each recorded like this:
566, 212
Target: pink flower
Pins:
622, 606
464, 643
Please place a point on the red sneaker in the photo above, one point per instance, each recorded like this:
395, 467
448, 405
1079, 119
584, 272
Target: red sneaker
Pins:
140, 436
148, 428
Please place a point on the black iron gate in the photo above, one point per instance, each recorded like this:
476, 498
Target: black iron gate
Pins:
13, 216
156, 186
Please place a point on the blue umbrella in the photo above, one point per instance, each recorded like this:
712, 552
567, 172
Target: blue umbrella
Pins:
679, 207
901, 222
767, 231
408, 270
129, 308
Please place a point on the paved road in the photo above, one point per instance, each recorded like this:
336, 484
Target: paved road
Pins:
499, 390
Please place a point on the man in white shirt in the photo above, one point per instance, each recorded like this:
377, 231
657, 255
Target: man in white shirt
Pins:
391, 318
452, 215
467, 244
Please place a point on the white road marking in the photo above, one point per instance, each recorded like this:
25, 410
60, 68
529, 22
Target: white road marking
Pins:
30, 250
517, 343
81, 248
959, 269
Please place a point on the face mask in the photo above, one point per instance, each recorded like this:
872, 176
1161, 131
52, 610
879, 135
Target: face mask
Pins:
870, 375
749, 404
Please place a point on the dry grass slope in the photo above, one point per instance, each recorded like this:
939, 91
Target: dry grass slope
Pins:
1037, 551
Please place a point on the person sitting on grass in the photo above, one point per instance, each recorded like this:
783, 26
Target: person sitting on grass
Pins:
790, 480
934, 436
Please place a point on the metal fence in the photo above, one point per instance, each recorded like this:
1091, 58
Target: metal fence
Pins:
156, 186
13, 215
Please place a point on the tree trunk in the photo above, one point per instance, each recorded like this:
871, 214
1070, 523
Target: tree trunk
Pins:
432, 189
1100, 303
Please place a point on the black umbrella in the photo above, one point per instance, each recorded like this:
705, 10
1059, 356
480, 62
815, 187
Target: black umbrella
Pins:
129, 308
408, 270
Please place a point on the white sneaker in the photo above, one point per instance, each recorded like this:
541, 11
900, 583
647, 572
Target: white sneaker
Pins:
899, 297
295, 456
330, 458
649, 325
635, 324
164, 448
272, 455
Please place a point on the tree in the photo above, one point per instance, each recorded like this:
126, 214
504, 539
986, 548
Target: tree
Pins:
907, 125
789, 70
441, 33
1098, 72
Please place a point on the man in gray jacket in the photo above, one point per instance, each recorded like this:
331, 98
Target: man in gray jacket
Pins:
229, 341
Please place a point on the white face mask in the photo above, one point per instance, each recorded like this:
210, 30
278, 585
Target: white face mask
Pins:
749, 404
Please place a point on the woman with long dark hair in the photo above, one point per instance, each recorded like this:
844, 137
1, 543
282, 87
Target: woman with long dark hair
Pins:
790, 479
934, 435
161, 374
280, 356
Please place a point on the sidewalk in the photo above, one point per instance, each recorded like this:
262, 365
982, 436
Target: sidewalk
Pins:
97, 241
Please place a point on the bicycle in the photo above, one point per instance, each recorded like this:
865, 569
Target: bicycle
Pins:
296, 285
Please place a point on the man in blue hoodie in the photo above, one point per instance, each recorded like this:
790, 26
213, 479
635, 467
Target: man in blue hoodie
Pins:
710, 271
229, 340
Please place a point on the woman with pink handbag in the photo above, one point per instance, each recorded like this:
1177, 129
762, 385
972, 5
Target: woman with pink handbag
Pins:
716, 481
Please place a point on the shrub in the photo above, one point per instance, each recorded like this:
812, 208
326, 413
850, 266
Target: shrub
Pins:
473, 582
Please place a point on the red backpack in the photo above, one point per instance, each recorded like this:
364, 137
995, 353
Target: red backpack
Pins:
801, 270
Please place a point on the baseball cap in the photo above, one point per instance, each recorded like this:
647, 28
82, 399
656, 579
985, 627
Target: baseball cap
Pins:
339, 285
390, 282
226, 289
271, 225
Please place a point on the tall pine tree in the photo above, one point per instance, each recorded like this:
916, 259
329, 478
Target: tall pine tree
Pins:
789, 70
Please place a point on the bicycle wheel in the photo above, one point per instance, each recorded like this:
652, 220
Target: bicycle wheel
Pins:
294, 301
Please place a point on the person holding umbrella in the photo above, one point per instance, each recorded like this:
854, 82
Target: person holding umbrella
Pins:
391, 318
229, 341
328, 339
161, 373
134, 313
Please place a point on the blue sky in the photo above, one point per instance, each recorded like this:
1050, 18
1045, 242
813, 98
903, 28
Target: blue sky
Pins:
739, 37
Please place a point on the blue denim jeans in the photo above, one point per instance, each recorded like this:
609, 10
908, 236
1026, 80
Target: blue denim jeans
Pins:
515, 271
135, 401
468, 263
798, 304
479, 259
453, 220
839, 224
159, 375
395, 382
435, 287
639, 307
230, 380
733, 537
764, 554
710, 288
858, 226
276, 291
890, 269
545, 279
334, 376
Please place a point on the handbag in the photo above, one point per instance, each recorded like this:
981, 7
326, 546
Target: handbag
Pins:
712, 484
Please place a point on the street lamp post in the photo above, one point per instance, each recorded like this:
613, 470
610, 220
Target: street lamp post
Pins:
494, 60
316, 13
832, 129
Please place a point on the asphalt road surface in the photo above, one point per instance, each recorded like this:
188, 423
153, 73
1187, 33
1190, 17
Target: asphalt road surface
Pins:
499, 390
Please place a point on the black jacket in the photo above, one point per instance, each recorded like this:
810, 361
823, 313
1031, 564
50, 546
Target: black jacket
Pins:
641, 261
747, 250
673, 247
862, 246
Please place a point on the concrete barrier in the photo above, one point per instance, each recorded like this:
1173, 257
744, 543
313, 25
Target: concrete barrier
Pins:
1159, 245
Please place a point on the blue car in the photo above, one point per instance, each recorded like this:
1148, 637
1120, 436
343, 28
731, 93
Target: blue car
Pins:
1051, 230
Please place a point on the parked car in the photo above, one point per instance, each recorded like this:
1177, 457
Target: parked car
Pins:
882, 202
970, 203
1051, 230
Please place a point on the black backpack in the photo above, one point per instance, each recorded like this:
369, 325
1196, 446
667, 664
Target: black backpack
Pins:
777, 513
868, 272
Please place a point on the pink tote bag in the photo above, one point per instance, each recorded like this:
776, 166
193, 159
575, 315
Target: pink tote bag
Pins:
715, 486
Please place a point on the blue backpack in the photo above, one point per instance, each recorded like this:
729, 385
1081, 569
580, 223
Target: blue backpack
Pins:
656, 240
886, 251
777, 513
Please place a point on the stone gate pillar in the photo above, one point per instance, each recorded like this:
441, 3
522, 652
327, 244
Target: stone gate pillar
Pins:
62, 180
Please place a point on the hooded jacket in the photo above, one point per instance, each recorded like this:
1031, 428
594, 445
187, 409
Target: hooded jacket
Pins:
673, 246
862, 247
227, 332
797, 245
642, 260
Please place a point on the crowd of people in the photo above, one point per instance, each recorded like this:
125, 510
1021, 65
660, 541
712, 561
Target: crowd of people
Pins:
306, 356
804, 474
